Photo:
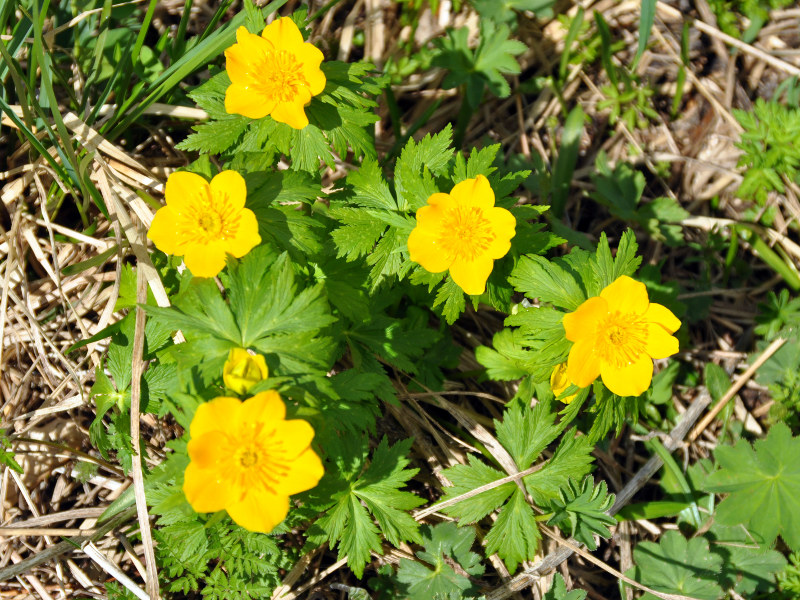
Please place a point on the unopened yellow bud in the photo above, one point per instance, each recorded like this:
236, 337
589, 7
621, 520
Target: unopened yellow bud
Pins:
243, 370
559, 383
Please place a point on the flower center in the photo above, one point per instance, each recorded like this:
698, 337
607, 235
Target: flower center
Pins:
247, 457
280, 76
210, 223
466, 233
257, 461
621, 339
208, 218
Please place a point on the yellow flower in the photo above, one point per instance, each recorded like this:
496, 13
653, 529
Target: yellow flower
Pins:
464, 232
616, 335
243, 370
247, 459
275, 74
203, 221
559, 382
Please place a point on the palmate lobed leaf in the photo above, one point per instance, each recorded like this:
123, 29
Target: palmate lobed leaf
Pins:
444, 543
581, 511
352, 497
679, 566
524, 433
763, 486
268, 310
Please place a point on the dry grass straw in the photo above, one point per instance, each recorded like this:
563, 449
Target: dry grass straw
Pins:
44, 391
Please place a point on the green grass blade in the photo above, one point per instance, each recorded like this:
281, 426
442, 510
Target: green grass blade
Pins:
566, 160
572, 35
669, 463
201, 54
645, 25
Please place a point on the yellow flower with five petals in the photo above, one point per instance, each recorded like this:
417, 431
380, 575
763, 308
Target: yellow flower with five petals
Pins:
247, 459
463, 232
204, 221
273, 74
617, 335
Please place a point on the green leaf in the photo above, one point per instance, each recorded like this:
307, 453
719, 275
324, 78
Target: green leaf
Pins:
717, 380
747, 567
763, 486
525, 432
676, 565
268, 311
609, 269
215, 137
418, 161
6, 455
452, 300
445, 544
581, 511
466, 478
572, 459
359, 497
552, 281
515, 535
485, 66
508, 360
646, 21
506, 11
558, 591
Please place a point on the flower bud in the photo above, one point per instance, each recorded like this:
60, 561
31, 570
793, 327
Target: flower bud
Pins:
243, 370
559, 382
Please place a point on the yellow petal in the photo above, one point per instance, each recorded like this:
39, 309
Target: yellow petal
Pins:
242, 100
185, 190
630, 380
583, 366
471, 276
290, 439
423, 248
246, 237
162, 231
658, 313
304, 474
209, 449
265, 409
218, 414
259, 510
582, 323
291, 113
627, 296
229, 187
316, 80
443, 201
504, 227
283, 34
660, 344
474, 192
205, 260
241, 59
311, 57
431, 217
205, 490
